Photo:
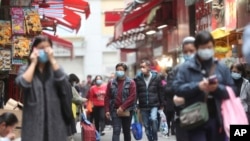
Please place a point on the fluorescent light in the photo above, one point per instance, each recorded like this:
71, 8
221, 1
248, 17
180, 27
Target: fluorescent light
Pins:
162, 26
150, 32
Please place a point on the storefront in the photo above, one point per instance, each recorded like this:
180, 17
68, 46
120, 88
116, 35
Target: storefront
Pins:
20, 22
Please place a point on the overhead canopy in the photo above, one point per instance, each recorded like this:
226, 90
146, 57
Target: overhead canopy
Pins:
64, 12
135, 18
112, 17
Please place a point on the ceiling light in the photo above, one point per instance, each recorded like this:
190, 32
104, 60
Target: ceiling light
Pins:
162, 26
151, 32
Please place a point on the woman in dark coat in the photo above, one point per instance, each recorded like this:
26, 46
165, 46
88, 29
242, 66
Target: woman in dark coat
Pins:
46, 89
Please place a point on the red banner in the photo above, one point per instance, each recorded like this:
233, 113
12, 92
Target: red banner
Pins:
230, 14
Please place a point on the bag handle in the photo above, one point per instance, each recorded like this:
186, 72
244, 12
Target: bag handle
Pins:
135, 117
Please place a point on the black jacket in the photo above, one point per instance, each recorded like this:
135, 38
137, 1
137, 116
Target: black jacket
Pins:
153, 96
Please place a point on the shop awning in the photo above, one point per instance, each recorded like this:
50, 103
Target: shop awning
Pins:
57, 40
134, 19
64, 12
112, 17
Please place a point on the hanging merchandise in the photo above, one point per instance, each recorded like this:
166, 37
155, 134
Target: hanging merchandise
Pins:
5, 33
32, 21
17, 21
21, 46
5, 60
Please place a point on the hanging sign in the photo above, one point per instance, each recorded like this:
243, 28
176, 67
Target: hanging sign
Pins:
230, 14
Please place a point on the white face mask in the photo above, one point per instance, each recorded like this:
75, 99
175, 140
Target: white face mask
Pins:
205, 54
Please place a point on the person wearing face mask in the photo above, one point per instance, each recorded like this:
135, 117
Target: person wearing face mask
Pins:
120, 102
96, 95
47, 95
191, 82
77, 102
174, 102
243, 86
150, 96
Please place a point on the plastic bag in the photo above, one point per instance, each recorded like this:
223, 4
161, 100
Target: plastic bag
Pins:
163, 123
136, 128
232, 112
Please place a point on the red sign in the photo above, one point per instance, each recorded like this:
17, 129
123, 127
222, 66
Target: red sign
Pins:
230, 14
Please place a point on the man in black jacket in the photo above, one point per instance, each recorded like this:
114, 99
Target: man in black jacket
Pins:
151, 97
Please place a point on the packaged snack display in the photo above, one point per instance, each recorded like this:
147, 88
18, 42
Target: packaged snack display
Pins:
5, 59
5, 33
17, 21
32, 21
21, 46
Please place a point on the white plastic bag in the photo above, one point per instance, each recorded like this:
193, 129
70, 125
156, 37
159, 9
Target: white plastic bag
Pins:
163, 123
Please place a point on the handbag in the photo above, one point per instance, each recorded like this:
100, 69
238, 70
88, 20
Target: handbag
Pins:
196, 114
136, 128
232, 111
124, 114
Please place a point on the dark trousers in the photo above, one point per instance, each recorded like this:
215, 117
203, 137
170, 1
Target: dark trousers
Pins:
181, 134
99, 118
170, 120
118, 123
208, 132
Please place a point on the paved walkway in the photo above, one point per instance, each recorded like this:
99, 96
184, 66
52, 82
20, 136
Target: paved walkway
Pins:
108, 136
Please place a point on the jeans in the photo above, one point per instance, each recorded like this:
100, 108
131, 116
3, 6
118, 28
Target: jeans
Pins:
99, 118
150, 122
118, 123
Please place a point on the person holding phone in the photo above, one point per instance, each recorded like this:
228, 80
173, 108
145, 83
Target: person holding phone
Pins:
47, 95
201, 76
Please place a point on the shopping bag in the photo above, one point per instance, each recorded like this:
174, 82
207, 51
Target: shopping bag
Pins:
89, 133
74, 109
136, 128
232, 111
163, 123
89, 106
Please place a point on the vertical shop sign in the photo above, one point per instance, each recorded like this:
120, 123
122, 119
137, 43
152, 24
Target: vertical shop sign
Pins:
230, 14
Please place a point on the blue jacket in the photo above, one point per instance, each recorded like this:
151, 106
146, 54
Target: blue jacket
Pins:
186, 83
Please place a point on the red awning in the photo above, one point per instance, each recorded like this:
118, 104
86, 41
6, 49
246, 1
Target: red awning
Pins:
137, 17
112, 17
64, 12
64, 43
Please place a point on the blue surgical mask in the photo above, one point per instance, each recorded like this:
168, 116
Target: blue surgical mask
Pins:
205, 54
235, 75
188, 56
120, 74
43, 57
99, 82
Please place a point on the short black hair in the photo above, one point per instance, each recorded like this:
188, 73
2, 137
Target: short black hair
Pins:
125, 67
240, 67
203, 38
10, 119
73, 78
147, 62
